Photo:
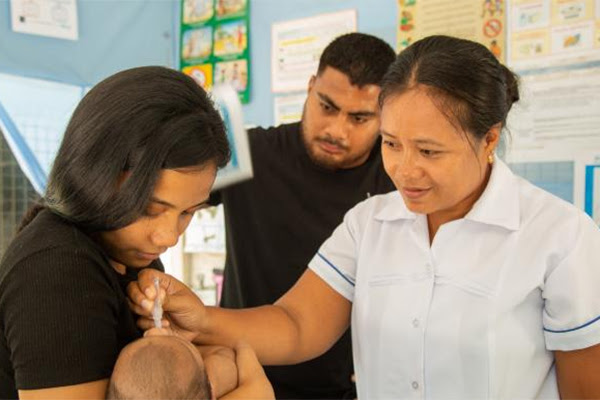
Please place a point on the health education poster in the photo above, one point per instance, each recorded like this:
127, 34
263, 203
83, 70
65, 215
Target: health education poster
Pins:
553, 33
553, 45
296, 46
483, 21
215, 43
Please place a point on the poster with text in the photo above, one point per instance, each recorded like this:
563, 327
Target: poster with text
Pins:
296, 47
557, 112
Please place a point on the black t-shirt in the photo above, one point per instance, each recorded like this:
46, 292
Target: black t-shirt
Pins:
63, 311
275, 224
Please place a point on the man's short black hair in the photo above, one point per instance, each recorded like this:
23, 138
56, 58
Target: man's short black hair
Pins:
363, 58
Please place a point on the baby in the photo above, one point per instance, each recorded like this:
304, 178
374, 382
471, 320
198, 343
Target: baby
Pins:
165, 366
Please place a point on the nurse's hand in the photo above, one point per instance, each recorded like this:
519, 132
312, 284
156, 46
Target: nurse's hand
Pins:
183, 311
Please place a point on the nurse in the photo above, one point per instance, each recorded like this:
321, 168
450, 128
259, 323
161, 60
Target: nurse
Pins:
466, 282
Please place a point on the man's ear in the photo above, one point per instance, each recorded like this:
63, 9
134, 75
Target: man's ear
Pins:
311, 82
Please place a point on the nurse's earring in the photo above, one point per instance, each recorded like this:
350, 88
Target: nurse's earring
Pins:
491, 158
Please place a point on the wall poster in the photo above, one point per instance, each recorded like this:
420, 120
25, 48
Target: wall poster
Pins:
215, 43
482, 21
296, 47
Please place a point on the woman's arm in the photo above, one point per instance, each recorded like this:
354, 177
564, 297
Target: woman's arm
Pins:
301, 325
304, 323
577, 373
89, 390
62, 336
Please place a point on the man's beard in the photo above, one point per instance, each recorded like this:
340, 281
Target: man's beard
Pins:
323, 160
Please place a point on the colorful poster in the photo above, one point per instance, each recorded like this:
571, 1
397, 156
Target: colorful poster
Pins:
482, 21
233, 72
296, 46
202, 74
53, 18
214, 43
553, 33
231, 8
231, 39
195, 11
196, 43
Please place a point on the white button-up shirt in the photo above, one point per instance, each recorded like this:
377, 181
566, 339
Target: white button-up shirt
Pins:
477, 313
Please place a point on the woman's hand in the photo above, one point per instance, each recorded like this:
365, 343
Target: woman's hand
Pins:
183, 311
303, 324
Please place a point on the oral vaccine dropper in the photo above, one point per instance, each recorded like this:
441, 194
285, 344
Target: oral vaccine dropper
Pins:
157, 311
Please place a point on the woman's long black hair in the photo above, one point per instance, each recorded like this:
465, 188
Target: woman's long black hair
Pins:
123, 132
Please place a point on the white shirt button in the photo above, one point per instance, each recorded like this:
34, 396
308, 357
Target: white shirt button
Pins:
415, 323
415, 385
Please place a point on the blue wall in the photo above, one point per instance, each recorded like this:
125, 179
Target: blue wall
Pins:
119, 34
113, 35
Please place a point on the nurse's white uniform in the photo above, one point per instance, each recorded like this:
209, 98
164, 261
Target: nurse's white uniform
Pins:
477, 313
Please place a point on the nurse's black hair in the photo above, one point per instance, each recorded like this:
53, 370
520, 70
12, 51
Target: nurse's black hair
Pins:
362, 58
466, 80
123, 132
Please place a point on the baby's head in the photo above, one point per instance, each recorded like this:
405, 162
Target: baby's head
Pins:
159, 367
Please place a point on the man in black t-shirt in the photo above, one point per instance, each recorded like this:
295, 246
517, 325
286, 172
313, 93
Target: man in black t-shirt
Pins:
306, 176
